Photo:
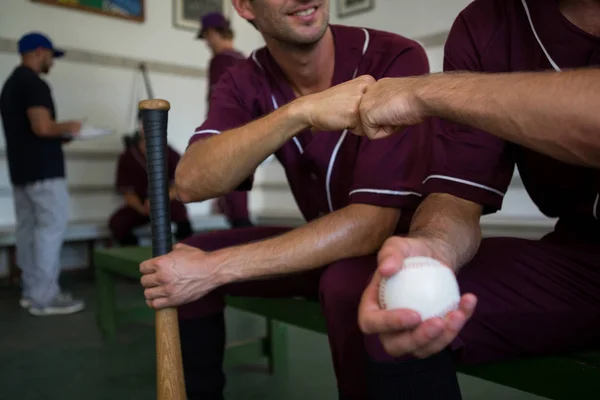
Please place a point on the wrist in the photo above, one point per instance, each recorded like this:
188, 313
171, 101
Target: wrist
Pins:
229, 270
431, 92
439, 250
299, 113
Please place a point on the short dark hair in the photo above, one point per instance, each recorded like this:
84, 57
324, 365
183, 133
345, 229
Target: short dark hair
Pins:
225, 32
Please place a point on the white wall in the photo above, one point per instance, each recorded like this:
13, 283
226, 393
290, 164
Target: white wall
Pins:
107, 96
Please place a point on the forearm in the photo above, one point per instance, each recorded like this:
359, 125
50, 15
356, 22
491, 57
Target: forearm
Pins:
451, 225
215, 166
132, 200
52, 129
354, 231
549, 112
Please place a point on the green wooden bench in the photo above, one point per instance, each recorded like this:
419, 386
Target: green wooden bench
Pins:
570, 377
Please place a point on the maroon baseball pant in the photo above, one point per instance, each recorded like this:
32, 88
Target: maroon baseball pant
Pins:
338, 287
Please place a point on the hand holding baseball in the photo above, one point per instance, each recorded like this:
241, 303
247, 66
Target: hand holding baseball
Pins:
390, 105
402, 331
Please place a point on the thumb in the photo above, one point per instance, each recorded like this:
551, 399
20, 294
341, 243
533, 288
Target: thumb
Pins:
183, 247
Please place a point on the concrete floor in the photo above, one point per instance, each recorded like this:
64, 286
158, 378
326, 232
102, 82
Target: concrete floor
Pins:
64, 358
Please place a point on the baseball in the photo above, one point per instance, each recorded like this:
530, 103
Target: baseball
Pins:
424, 285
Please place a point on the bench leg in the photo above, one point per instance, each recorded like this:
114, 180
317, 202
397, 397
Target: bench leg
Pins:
106, 310
277, 347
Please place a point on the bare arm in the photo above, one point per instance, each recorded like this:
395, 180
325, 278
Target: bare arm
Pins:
353, 231
451, 227
43, 125
133, 201
216, 166
554, 113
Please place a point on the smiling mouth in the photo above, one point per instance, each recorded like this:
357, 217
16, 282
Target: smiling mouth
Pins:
305, 13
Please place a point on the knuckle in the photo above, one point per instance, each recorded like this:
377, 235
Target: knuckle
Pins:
162, 277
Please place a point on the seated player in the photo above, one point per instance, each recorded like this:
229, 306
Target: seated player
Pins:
353, 192
132, 183
534, 297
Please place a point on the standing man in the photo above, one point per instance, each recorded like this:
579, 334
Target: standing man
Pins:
216, 31
294, 98
521, 298
36, 163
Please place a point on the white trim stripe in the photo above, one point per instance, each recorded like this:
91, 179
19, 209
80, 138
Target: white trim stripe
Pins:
256, 60
204, 131
385, 191
367, 40
465, 182
295, 139
330, 169
550, 60
595, 210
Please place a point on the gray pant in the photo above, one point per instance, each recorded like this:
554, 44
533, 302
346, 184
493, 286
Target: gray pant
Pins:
42, 211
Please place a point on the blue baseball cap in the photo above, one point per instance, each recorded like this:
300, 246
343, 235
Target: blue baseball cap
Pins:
212, 20
34, 40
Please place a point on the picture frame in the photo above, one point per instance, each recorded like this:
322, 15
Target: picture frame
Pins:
346, 8
131, 10
187, 13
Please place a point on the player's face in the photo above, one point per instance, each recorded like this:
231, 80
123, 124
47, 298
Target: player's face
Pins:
295, 22
46, 60
211, 37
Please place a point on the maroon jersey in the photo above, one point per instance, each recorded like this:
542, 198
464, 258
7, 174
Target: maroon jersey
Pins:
132, 174
500, 36
219, 64
330, 170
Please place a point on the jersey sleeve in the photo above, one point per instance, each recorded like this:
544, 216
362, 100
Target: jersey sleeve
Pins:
388, 172
227, 111
37, 94
466, 162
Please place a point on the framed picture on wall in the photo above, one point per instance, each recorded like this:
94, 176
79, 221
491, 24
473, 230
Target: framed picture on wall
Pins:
350, 7
133, 10
187, 13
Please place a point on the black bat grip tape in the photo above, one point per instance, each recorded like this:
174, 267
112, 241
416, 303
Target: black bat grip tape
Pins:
155, 130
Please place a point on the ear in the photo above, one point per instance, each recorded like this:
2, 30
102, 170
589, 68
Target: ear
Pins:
244, 9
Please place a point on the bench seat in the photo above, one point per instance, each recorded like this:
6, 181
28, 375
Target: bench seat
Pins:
569, 377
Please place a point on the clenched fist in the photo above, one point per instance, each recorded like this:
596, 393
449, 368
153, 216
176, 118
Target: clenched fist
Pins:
390, 105
337, 107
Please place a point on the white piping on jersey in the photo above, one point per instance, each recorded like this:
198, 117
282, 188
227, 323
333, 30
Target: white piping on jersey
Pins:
385, 191
556, 67
595, 210
339, 143
465, 182
256, 60
365, 47
330, 169
295, 139
203, 131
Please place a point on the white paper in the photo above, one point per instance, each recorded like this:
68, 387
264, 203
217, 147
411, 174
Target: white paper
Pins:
91, 132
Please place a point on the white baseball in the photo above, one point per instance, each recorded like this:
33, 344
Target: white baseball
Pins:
424, 285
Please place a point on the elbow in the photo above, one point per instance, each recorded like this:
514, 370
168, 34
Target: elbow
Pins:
188, 188
41, 130
184, 188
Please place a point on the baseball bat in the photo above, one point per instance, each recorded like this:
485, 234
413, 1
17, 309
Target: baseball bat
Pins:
169, 367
